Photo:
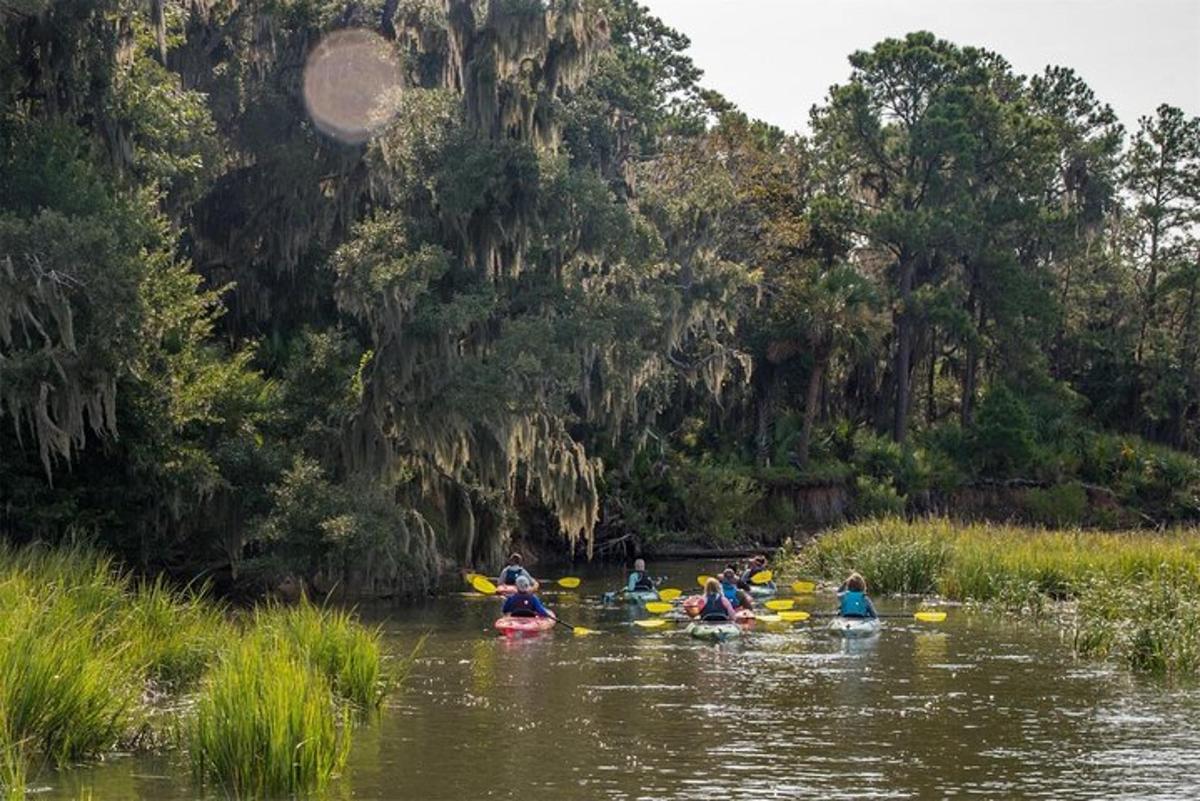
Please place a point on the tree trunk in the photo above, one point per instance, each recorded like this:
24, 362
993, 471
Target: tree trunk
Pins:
904, 348
930, 401
811, 398
765, 415
970, 379
1189, 358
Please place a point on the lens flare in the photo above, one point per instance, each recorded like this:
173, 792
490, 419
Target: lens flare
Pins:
348, 78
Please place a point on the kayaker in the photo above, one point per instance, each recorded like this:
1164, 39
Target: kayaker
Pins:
716, 605
513, 571
853, 597
757, 565
639, 579
524, 603
736, 596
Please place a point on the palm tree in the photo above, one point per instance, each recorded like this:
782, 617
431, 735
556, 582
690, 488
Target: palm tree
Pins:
820, 312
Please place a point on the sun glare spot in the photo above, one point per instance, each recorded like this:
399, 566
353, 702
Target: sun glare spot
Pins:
347, 80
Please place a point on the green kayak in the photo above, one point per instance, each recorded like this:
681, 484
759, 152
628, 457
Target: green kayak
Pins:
714, 631
641, 596
854, 627
763, 590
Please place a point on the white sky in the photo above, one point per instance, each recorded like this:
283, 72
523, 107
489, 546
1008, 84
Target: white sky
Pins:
776, 58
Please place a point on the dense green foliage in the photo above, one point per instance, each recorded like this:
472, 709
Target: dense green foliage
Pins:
91, 661
557, 289
1136, 594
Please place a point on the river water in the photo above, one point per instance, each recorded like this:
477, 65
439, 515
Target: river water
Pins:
972, 707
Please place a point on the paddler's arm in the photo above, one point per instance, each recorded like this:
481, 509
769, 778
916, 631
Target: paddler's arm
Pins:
541, 610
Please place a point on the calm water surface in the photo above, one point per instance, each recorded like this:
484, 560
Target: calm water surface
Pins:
973, 707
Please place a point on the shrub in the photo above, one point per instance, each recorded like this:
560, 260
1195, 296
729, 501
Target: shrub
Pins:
1063, 505
875, 497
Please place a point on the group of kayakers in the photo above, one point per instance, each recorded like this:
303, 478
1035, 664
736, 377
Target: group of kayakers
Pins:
723, 597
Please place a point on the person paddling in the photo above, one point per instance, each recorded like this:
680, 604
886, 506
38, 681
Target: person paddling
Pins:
639, 579
716, 606
513, 571
853, 597
757, 565
524, 603
736, 596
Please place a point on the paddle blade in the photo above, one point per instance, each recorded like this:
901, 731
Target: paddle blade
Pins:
763, 577
803, 587
580, 631
653, 623
779, 604
794, 617
470, 577
702, 580
658, 607
570, 582
669, 594
483, 585
930, 617
767, 617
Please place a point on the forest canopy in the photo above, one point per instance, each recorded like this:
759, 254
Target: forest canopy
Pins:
551, 289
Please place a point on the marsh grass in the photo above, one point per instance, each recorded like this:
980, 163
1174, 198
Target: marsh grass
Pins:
266, 723
989, 563
1151, 625
85, 652
1138, 593
334, 643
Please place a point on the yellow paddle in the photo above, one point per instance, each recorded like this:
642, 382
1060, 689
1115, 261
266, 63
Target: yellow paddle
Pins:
652, 623
794, 617
803, 587
702, 580
570, 582
930, 617
669, 594
762, 577
482, 585
578, 631
767, 617
658, 607
779, 604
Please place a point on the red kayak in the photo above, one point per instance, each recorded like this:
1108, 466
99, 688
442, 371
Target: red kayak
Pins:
510, 626
694, 603
506, 589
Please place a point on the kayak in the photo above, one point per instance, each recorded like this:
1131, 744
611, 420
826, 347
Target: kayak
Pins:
515, 626
715, 631
640, 596
694, 603
855, 626
506, 589
763, 590
745, 617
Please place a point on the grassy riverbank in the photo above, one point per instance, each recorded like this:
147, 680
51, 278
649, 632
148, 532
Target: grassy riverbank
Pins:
1136, 594
91, 661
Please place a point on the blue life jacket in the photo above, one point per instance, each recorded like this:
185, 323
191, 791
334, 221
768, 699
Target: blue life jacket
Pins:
713, 609
643, 581
512, 573
731, 591
854, 604
520, 605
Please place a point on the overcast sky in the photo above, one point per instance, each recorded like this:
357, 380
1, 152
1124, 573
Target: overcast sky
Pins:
776, 58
